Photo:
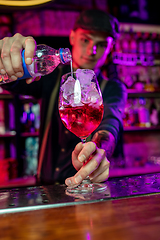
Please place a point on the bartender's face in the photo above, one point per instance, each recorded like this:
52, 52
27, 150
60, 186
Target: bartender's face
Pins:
89, 48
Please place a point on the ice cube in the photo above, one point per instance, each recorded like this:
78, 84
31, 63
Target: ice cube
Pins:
94, 98
93, 86
88, 91
85, 76
68, 87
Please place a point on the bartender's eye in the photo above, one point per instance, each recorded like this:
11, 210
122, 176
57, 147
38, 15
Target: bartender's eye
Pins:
84, 40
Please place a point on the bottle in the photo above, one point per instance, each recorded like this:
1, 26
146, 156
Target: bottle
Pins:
133, 42
46, 59
156, 44
118, 45
24, 118
153, 113
143, 113
35, 108
149, 85
125, 42
31, 119
135, 112
140, 42
148, 44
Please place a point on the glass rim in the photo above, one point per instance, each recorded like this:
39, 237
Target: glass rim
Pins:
83, 69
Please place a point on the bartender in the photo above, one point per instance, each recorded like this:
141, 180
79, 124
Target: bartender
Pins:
62, 156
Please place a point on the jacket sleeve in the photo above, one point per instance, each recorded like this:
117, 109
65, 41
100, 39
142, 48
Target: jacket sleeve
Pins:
114, 99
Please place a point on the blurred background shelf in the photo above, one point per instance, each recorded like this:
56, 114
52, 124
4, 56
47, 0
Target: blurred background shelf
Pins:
118, 172
8, 134
30, 134
136, 128
133, 93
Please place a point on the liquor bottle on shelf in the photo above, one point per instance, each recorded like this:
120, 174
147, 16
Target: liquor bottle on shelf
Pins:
158, 109
46, 59
126, 122
128, 117
148, 45
131, 113
2, 117
143, 113
149, 87
158, 40
119, 42
11, 109
118, 45
31, 119
133, 42
125, 42
35, 108
2, 150
140, 42
31, 151
135, 112
139, 83
156, 44
153, 113
25, 118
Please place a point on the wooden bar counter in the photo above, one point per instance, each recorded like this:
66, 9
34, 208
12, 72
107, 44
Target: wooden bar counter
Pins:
131, 217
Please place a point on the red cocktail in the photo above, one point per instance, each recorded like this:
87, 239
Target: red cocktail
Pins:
82, 120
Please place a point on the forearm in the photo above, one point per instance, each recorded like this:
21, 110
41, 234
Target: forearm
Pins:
106, 141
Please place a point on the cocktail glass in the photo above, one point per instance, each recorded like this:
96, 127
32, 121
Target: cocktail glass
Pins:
81, 111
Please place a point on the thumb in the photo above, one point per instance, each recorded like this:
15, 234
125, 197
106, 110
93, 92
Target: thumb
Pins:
30, 80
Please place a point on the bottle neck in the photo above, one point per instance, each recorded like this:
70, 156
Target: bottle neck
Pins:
65, 55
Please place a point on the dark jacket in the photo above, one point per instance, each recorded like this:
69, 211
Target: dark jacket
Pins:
57, 165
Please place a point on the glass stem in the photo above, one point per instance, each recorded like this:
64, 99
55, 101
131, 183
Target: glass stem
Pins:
83, 140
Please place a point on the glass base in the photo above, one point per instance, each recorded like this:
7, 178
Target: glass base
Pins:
87, 187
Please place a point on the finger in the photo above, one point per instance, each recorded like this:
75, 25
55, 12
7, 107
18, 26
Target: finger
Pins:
30, 47
2, 69
30, 80
99, 162
85, 170
19, 43
37, 78
85, 149
70, 182
78, 148
80, 176
11, 54
102, 177
101, 173
88, 149
6, 58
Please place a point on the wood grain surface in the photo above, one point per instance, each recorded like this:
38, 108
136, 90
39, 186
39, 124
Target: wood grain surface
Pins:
123, 219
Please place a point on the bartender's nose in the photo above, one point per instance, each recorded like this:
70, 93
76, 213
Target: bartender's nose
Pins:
92, 49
